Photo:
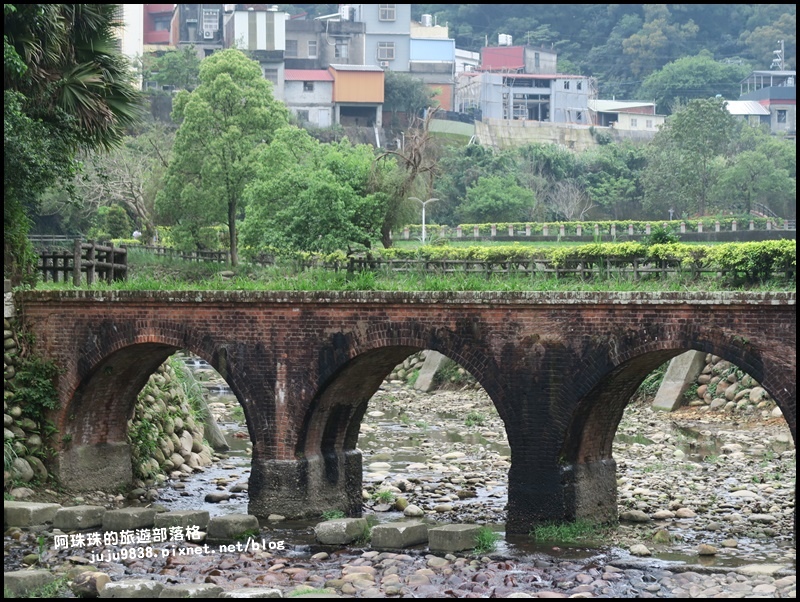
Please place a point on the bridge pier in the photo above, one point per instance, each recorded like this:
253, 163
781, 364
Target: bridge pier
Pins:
306, 487
92, 467
558, 494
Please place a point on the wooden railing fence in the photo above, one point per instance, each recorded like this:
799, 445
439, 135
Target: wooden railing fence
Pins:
191, 256
99, 262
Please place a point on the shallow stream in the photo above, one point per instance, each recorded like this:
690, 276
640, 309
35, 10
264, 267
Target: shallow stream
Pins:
457, 472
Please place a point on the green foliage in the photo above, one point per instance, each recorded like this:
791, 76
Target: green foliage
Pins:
248, 534
496, 199
111, 222
67, 87
179, 68
192, 390
651, 383
563, 532
485, 541
9, 455
224, 121
661, 235
754, 263
238, 414
333, 514
384, 496
58, 588
692, 77
311, 592
686, 156
313, 197
475, 418
35, 386
405, 94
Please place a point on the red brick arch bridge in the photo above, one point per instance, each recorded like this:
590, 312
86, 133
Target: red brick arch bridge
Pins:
559, 367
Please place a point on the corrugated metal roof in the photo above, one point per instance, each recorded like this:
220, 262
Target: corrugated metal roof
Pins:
307, 75
616, 106
356, 68
746, 107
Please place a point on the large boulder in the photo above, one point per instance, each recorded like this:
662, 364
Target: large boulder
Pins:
340, 531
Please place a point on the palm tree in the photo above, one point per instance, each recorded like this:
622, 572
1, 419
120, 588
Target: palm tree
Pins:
74, 74
67, 88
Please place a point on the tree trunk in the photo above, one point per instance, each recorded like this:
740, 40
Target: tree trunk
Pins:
234, 253
386, 235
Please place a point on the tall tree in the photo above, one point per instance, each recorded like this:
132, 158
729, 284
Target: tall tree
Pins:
67, 89
661, 36
223, 122
128, 175
419, 168
686, 155
495, 199
692, 77
612, 178
312, 196
405, 94
751, 177
179, 68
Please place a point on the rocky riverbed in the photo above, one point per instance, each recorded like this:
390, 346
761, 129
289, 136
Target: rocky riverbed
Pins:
706, 502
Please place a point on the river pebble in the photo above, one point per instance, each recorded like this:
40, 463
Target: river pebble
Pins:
715, 520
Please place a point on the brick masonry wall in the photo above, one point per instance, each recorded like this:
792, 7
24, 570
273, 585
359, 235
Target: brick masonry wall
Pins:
560, 367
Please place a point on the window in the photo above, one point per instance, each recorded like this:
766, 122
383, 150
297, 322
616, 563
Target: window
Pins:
387, 12
634, 123
271, 75
579, 86
648, 123
210, 20
308, 86
566, 85
536, 59
579, 116
161, 23
385, 51
341, 50
781, 116
312, 49
302, 116
291, 48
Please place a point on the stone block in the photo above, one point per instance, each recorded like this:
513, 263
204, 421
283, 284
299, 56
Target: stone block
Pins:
340, 531
192, 590
452, 538
75, 518
433, 360
128, 518
682, 371
22, 584
183, 518
132, 588
399, 535
27, 514
230, 527
253, 592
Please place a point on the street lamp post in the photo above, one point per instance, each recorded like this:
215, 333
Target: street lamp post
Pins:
423, 203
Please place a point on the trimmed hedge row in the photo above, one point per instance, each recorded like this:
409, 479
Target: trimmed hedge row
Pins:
604, 227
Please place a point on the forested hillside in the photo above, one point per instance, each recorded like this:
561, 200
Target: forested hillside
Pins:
620, 44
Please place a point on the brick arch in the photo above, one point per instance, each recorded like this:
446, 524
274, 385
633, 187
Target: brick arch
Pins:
351, 374
99, 400
326, 470
586, 453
